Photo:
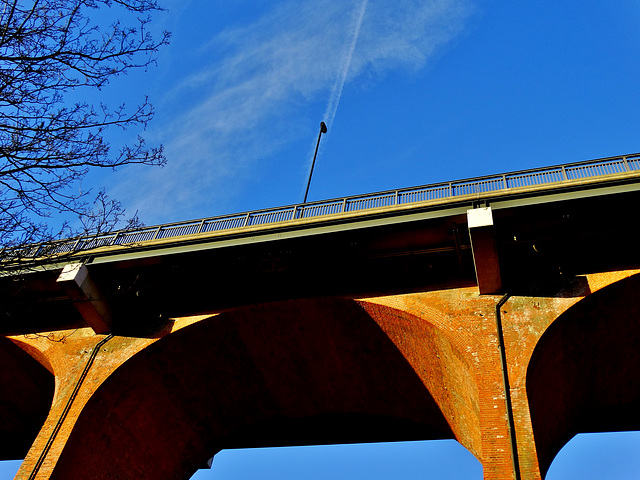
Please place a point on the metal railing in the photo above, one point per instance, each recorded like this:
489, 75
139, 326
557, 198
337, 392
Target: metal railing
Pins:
506, 181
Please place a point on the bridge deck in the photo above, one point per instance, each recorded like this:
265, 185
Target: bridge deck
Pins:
580, 179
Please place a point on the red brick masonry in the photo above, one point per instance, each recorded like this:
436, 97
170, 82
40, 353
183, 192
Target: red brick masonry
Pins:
329, 370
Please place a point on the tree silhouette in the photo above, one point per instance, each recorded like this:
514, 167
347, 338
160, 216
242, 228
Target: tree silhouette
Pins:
53, 51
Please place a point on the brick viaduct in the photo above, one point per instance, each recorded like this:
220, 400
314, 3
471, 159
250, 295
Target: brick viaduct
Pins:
508, 322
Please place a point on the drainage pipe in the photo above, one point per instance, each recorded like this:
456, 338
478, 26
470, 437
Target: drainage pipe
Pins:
507, 389
67, 407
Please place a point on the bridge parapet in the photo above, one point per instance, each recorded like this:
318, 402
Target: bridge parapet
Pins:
568, 175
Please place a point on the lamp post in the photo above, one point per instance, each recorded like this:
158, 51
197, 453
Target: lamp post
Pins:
323, 129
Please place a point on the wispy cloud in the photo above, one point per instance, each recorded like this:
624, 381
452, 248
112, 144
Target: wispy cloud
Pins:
269, 70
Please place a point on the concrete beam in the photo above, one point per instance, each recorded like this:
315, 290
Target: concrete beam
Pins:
86, 297
485, 251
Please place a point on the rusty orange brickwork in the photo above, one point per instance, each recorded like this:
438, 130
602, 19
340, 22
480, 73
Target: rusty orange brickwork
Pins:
422, 365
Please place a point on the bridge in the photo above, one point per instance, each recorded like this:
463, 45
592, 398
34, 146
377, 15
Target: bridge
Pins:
498, 311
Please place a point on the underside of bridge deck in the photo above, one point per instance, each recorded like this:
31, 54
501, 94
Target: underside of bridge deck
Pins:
331, 331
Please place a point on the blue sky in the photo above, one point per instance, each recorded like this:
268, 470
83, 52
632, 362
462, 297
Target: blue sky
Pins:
434, 90
413, 92
600, 456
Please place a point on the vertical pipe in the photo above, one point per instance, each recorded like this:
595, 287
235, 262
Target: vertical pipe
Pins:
67, 406
507, 390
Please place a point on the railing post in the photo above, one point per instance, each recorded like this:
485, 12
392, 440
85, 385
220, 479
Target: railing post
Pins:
504, 181
75, 245
115, 237
450, 189
344, 205
396, 202
564, 173
157, 234
294, 212
626, 165
246, 220
201, 226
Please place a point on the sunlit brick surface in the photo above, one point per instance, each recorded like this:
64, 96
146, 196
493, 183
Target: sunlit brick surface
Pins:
399, 367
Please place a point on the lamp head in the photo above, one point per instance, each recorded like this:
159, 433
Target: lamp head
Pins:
323, 127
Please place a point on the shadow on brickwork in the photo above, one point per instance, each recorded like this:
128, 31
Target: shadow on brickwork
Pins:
26, 393
287, 373
583, 374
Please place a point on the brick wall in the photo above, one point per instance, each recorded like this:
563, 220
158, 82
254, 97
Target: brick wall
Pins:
410, 366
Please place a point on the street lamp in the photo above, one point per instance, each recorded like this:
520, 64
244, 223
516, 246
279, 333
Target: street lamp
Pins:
323, 129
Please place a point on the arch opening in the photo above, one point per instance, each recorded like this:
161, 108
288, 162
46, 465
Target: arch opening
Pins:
9, 468
301, 372
598, 455
434, 459
582, 377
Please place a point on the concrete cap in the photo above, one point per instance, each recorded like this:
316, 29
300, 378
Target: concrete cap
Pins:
479, 217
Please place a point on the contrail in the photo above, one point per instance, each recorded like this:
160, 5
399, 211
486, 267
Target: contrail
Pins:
336, 93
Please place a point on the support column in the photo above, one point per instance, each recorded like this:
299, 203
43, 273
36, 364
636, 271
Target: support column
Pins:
81, 361
86, 297
485, 251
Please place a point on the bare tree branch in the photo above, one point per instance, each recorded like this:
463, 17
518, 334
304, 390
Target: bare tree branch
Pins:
49, 50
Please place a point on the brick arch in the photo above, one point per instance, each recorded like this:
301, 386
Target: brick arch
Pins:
583, 374
439, 363
26, 393
286, 373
